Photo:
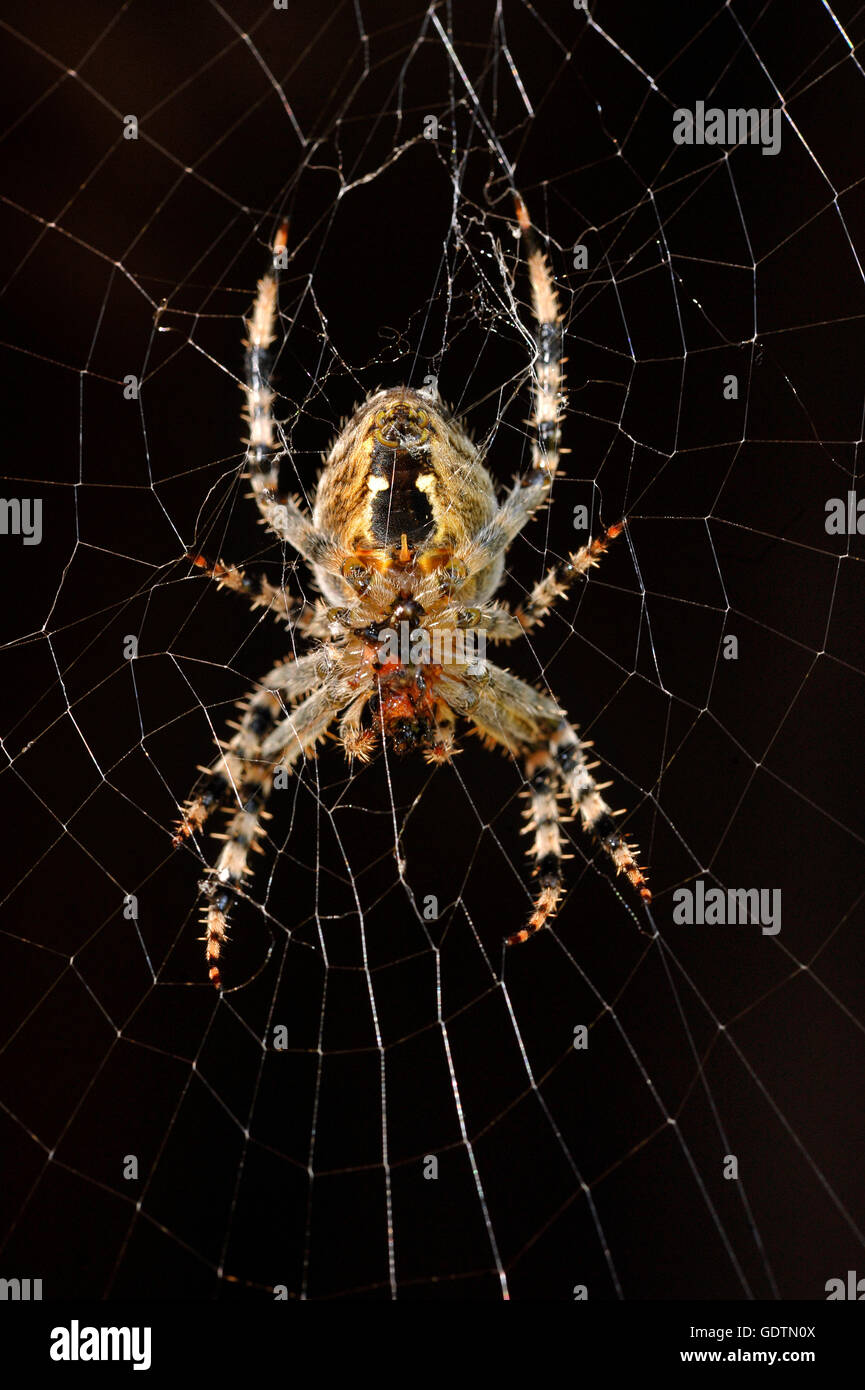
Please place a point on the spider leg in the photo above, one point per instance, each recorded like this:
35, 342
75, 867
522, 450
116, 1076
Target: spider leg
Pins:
306, 725
356, 741
559, 577
501, 625
548, 375
546, 851
444, 748
505, 709
514, 715
596, 818
282, 514
260, 592
532, 490
238, 764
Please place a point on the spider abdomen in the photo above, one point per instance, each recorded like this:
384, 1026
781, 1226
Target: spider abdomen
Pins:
400, 507
404, 483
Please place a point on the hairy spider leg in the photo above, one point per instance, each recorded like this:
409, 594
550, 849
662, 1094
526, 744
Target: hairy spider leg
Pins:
294, 737
567, 758
283, 515
532, 490
512, 714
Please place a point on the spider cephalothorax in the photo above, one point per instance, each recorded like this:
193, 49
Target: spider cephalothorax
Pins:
406, 543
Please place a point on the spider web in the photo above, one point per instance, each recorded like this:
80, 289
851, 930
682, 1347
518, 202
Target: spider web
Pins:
385, 1102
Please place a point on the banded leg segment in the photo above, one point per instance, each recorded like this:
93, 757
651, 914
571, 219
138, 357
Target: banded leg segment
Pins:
595, 815
239, 764
532, 490
566, 759
260, 592
514, 715
240, 781
282, 514
546, 851
307, 724
558, 578
445, 746
499, 624
549, 400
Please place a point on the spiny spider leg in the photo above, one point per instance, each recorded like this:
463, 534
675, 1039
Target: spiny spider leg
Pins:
559, 577
258, 590
500, 625
282, 514
567, 757
532, 490
545, 820
293, 738
514, 715
238, 766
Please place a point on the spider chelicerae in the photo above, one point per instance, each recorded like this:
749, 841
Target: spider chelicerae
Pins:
406, 537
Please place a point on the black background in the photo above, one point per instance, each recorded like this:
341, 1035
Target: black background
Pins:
748, 773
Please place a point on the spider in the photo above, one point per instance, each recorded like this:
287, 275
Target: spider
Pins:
406, 532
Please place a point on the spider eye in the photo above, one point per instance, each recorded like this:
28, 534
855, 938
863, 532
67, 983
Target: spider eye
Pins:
402, 427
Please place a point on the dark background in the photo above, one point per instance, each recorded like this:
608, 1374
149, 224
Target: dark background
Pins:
746, 773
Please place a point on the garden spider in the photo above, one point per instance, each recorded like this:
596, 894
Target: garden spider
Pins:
405, 532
